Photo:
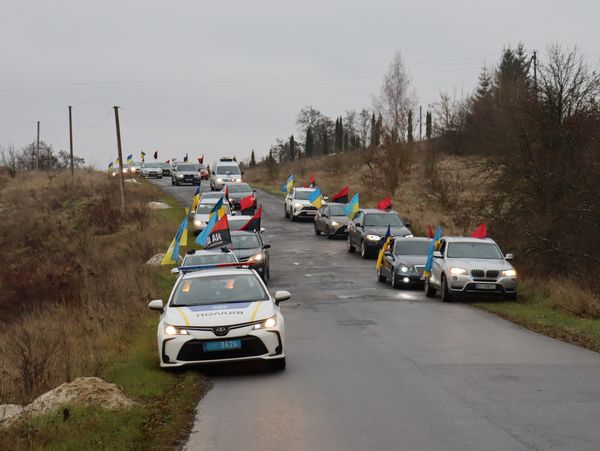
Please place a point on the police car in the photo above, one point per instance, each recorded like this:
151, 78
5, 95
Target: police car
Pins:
220, 313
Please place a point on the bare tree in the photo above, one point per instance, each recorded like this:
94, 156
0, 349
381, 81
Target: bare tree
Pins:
364, 121
9, 159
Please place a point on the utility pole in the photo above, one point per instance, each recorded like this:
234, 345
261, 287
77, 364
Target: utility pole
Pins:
120, 153
37, 147
420, 122
71, 138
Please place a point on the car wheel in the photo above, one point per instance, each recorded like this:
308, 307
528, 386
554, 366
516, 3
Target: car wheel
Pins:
349, 247
380, 276
364, 250
278, 365
510, 296
329, 234
395, 283
292, 217
317, 231
446, 295
286, 212
429, 290
172, 182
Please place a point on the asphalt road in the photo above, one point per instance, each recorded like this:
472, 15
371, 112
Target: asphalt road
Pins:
370, 367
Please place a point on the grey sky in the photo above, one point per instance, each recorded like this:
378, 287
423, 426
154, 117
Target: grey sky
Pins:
223, 77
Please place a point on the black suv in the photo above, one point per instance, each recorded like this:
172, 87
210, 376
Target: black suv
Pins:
185, 173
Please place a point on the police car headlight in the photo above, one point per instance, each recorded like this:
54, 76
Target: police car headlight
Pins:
297, 205
334, 223
458, 271
172, 330
269, 322
373, 237
509, 273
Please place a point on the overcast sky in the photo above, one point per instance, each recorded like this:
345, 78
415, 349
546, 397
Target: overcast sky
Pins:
225, 77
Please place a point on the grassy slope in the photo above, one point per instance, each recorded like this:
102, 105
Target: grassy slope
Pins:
167, 399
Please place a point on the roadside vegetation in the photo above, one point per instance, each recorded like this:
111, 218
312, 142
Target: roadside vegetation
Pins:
73, 302
521, 154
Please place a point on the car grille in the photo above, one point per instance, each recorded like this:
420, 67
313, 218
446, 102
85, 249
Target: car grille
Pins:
309, 207
193, 350
492, 274
481, 274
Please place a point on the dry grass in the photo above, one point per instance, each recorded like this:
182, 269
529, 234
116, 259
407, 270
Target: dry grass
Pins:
73, 277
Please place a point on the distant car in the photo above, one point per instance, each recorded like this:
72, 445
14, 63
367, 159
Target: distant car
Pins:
134, 168
166, 168
331, 220
297, 205
202, 213
250, 247
220, 315
185, 173
471, 266
208, 257
152, 170
204, 174
223, 171
369, 225
238, 191
404, 262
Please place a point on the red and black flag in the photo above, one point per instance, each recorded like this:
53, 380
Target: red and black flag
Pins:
168, 161
227, 192
254, 222
480, 232
311, 181
156, 154
185, 159
247, 205
385, 204
341, 197
220, 234
201, 159
429, 231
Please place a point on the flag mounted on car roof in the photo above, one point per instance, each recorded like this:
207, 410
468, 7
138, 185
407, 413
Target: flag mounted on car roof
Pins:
218, 209
130, 158
287, 186
216, 234
110, 165
315, 198
201, 159
480, 232
352, 207
196, 199
156, 154
254, 222
432, 248
311, 181
385, 204
247, 204
142, 155
341, 197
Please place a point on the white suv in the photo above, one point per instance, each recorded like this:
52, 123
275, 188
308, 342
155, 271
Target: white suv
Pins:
471, 266
223, 171
297, 205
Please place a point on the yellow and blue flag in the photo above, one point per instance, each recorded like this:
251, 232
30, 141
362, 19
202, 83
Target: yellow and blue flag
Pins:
386, 245
129, 159
287, 186
352, 207
117, 162
203, 236
172, 255
219, 209
110, 165
432, 247
315, 198
196, 199
142, 155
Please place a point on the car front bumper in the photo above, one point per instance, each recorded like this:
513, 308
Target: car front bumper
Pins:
305, 212
468, 285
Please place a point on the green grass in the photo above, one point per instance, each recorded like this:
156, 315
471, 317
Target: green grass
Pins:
536, 311
166, 398
271, 189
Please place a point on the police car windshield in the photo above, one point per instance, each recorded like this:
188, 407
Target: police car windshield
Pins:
382, 219
412, 248
336, 210
186, 167
243, 188
244, 241
218, 289
228, 169
209, 259
474, 250
302, 195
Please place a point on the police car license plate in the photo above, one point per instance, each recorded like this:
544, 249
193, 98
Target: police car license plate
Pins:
485, 286
226, 345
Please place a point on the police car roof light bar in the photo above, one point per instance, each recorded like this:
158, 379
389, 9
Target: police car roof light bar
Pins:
191, 268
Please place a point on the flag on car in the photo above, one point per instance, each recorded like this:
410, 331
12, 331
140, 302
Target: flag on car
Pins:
156, 154
117, 161
110, 165
432, 248
352, 207
480, 232
142, 155
219, 209
388, 233
385, 247
201, 159
247, 204
218, 236
287, 186
254, 222
184, 236
196, 199
129, 158
341, 197
311, 181
385, 204
172, 255
185, 159
201, 238
227, 192
429, 231
168, 161
315, 198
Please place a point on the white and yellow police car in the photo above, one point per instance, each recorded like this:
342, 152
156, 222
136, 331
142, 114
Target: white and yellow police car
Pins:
220, 313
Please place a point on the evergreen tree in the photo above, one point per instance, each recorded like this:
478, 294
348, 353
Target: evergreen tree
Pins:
252, 159
309, 145
410, 127
325, 142
428, 125
378, 129
292, 148
345, 141
484, 88
373, 131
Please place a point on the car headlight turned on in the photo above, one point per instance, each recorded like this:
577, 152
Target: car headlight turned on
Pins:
410, 235
172, 330
297, 205
334, 223
373, 237
219, 180
238, 180
458, 271
198, 223
256, 258
509, 273
403, 268
269, 322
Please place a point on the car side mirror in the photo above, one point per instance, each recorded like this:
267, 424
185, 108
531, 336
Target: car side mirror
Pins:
156, 304
266, 246
281, 296
262, 229
509, 257
407, 225
242, 173
389, 254
437, 254
254, 191
175, 271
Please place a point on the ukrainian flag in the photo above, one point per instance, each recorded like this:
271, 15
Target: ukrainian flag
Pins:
196, 200
315, 198
287, 186
110, 165
129, 159
219, 209
172, 255
201, 238
142, 155
432, 247
352, 207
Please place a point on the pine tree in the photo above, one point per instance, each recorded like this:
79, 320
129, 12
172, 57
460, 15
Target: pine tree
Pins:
428, 125
410, 127
309, 145
292, 148
325, 142
252, 159
373, 131
485, 84
341, 137
345, 141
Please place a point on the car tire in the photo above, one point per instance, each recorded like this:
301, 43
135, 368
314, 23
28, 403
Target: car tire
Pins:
172, 182
380, 276
446, 295
329, 234
364, 250
285, 212
317, 231
278, 364
395, 283
510, 296
349, 247
430, 291
292, 217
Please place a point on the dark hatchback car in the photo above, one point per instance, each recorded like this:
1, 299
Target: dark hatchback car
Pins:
331, 220
185, 173
369, 225
237, 191
250, 247
404, 262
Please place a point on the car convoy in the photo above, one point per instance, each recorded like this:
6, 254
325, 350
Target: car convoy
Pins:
220, 308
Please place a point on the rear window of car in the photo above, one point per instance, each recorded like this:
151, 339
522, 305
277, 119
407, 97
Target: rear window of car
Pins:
218, 289
209, 259
412, 248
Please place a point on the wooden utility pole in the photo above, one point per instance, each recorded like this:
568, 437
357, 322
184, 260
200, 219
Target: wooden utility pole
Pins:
120, 153
71, 138
37, 147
